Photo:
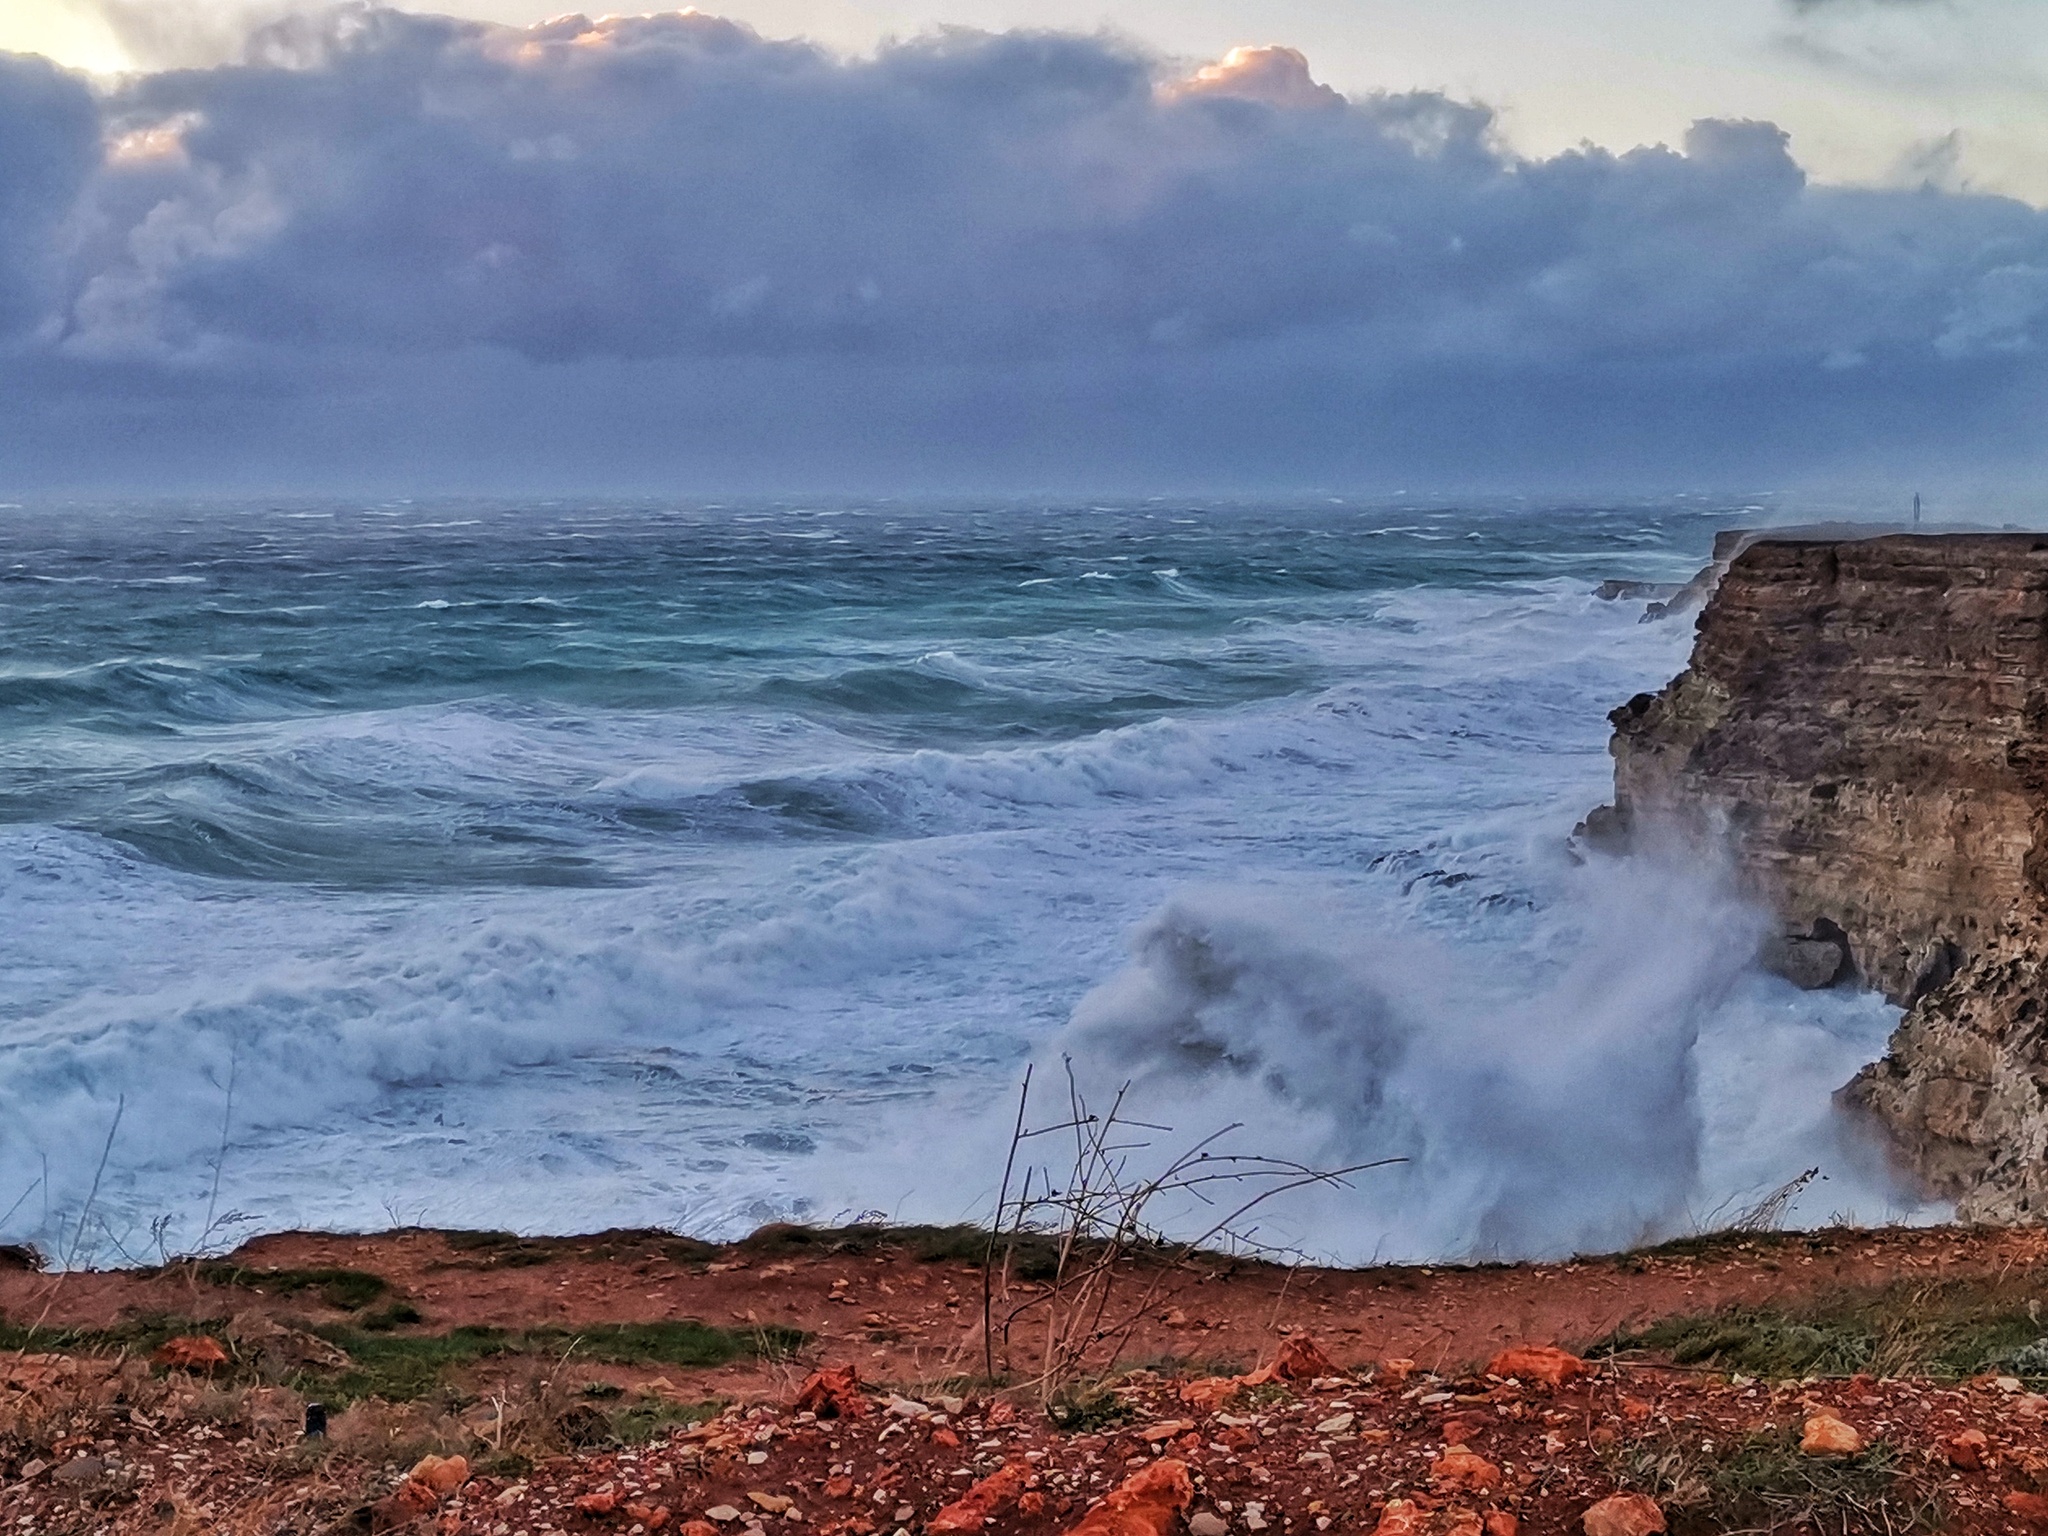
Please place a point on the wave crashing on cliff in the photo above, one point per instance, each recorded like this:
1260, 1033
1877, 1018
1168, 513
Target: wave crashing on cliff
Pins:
1628, 1078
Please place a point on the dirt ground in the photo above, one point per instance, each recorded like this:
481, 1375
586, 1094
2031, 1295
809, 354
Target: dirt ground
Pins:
1400, 1429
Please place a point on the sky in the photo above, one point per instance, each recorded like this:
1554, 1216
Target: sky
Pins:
815, 245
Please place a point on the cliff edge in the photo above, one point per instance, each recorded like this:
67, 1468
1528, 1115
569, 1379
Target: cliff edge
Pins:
1864, 725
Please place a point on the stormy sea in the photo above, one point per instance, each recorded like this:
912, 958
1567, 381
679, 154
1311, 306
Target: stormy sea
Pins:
558, 866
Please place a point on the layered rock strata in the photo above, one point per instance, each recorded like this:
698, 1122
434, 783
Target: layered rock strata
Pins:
1864, 726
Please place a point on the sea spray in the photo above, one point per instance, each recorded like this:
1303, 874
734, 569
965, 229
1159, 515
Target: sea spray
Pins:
1540, 1106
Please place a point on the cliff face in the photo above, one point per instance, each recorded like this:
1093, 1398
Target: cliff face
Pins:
1865, 724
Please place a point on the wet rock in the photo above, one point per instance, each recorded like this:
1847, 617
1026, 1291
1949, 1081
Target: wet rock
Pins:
1809, 962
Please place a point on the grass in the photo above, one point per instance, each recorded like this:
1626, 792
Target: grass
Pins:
346, 1290
1729, 1241
1764, 1484
137, 1335
1946, 1330
405, 1367
1083, 1407
508, 1250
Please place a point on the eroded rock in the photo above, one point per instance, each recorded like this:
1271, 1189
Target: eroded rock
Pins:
1864, 727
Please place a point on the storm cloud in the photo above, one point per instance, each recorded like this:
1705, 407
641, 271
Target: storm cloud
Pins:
666, 249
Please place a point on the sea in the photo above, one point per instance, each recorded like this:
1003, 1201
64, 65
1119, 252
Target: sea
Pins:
558, 865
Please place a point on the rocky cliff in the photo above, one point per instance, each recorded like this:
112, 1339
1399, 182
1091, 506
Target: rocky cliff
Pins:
1864, 724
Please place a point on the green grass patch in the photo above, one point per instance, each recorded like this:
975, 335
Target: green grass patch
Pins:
346, 1290
1945, 1330
648, 1417
1082, 1409
1764, 1484
508, 1250
140, 1335
400, 1314
403, 1367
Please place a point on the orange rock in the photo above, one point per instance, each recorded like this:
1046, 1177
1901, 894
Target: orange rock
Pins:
654, 1517
833, 1393
1210, 1392
838, 1487
1031, 1503
1544, 1363
1826, 1435
1966, 1450
702, 1528
1299, 1360
191, 1352
2031, 1507
1462, 1427
1500, 1523
1399, 1518
1635, 1410
1393, 1373
410, 1503
1001, 1412
1461, 1469
985, 1500
1148, 1503
441, 1475
946, 1437
598, 1503
1462, 1522
1625, 1514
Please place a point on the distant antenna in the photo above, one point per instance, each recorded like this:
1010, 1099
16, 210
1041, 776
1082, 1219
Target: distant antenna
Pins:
1916, 509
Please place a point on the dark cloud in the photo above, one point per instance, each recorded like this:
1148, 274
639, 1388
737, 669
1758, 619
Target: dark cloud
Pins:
664, 247
49, 145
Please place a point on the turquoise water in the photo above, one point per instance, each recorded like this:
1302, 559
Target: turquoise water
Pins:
567, 865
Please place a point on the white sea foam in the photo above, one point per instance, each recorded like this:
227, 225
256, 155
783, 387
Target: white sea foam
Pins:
1338, 911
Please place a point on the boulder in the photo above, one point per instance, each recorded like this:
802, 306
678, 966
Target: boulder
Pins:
1826, 1435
